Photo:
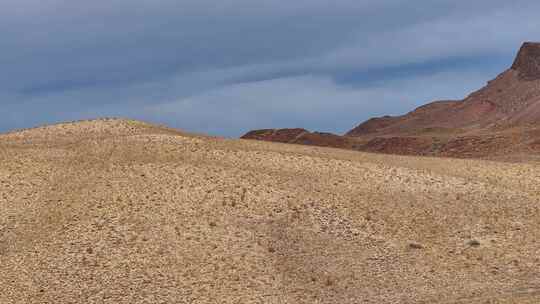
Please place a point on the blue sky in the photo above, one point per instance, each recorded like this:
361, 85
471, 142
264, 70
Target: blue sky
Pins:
225, 67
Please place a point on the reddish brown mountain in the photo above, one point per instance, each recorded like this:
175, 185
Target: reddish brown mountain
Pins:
282, 135
301, 136
528, 61
501, 119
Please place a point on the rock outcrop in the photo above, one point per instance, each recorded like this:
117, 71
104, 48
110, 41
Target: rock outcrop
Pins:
527, 62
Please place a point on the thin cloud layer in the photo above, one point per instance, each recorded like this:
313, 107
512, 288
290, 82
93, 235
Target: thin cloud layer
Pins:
225, 67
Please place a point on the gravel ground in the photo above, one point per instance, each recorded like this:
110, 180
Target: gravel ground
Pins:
119, 211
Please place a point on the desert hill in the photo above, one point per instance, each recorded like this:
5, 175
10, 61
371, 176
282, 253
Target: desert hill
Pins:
499, 120
119, 211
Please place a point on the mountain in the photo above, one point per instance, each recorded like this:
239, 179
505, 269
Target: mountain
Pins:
121, 211
301, 136
499, 120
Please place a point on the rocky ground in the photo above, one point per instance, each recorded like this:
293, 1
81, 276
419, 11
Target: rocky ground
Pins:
116, 211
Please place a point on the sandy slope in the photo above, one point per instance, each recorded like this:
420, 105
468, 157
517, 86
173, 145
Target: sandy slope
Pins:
116, 211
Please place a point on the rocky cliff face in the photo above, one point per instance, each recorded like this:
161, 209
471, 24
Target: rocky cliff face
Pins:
527, 62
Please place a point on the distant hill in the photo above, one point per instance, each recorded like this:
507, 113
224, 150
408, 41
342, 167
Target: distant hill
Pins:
301, 136
499, 120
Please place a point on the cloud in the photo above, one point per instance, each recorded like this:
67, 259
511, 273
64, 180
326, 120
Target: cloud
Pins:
70, 59
312, 102
451, 36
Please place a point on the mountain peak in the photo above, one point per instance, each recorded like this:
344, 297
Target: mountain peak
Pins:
527, 62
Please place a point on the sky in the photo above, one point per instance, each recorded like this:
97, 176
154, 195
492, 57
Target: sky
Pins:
224, 67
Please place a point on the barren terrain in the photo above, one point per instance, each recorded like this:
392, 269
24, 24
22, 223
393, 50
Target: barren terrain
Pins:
119, 211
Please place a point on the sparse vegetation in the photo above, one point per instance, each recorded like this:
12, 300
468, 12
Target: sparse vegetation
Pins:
115, 211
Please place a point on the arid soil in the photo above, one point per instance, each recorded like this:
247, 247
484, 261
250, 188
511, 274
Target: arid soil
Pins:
118, 211
500, 121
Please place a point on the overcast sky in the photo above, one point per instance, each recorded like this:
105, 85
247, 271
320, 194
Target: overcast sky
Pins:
227, 66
